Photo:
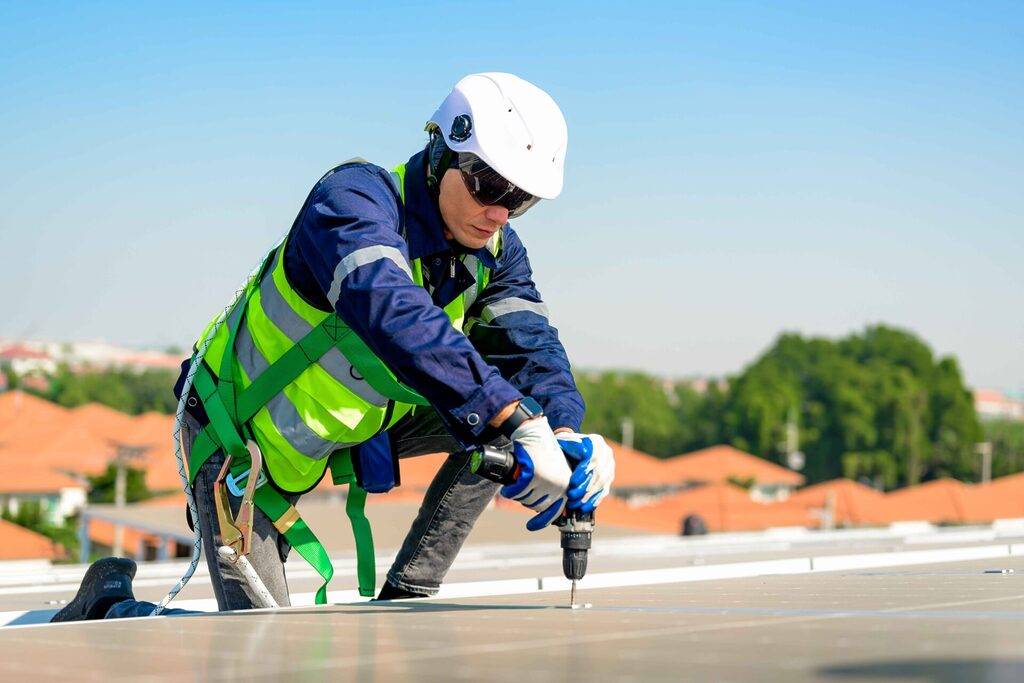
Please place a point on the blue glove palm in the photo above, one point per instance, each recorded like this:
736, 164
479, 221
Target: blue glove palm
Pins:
595, 469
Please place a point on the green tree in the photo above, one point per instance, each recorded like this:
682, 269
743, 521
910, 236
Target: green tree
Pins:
1007, 439
698, 417
101, 487
121, 389
613, 397
875, 405
668, 417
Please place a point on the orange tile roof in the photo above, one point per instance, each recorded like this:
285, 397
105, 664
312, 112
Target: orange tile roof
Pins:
417, 473
636, 469
1002, 498
938, 501
84, 439
718, 463
22, 413
632, 469
724, 507
149, 429
854, 504
101, 418
74, 447
102, 531
18, 543
174, 499
155, 432
37, 479
56, 441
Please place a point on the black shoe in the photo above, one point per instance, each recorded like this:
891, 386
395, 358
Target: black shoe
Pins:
108, 581
389, 592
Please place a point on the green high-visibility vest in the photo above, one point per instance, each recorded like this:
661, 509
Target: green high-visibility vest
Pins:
344, 398
300, 383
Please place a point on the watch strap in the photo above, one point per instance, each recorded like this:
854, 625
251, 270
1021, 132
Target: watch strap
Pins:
527, 409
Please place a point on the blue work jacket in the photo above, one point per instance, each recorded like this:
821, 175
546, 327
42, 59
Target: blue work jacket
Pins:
511, 349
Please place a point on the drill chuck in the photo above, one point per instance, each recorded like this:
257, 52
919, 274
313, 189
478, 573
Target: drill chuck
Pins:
577, 529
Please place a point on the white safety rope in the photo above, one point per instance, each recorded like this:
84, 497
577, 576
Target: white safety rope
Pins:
197, 538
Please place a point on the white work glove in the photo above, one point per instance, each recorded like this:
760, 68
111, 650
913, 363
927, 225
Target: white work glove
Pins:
543, 472
595, 469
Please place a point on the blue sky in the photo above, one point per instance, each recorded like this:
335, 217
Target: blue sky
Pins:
734, 169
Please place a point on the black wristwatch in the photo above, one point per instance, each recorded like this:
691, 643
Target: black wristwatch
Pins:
527, 409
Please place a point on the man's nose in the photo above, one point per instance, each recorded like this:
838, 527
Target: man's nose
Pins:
497, 214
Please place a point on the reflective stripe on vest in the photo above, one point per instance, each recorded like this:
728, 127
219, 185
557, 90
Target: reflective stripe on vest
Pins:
329, 406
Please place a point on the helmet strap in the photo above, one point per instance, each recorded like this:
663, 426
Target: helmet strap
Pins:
438, 161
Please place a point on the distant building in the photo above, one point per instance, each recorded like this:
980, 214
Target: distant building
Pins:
59, 495
44, 356
24, 360
995, 405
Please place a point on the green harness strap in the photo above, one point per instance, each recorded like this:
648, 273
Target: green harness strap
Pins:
229, 411
283, 514
299, 536
366, 563
331, 333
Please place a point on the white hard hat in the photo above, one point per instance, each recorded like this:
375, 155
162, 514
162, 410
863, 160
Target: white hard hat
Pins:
512, 125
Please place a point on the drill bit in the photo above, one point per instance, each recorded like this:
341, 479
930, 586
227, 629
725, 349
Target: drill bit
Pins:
572, 595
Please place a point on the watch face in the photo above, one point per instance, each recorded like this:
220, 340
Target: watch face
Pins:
531, 406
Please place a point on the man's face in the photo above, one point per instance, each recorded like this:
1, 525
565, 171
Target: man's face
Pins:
467, 221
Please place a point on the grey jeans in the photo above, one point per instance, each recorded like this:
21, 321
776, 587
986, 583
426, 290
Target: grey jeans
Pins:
454, 501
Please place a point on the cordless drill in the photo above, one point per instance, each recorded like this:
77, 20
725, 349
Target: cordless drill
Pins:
576, 527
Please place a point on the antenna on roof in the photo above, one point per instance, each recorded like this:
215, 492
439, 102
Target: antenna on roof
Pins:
795, 459
627, 432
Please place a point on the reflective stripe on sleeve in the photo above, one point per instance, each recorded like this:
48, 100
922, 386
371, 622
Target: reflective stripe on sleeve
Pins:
363, 257
514, 305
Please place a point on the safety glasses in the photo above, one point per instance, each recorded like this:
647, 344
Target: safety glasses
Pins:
490, 189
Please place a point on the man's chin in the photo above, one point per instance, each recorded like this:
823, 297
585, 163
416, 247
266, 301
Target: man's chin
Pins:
473, 242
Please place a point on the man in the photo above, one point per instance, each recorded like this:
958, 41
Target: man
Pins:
398, 318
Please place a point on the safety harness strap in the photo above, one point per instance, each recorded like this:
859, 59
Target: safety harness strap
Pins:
288, 521
330, 333
282, 513
299, 536
366, 564
224, 427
